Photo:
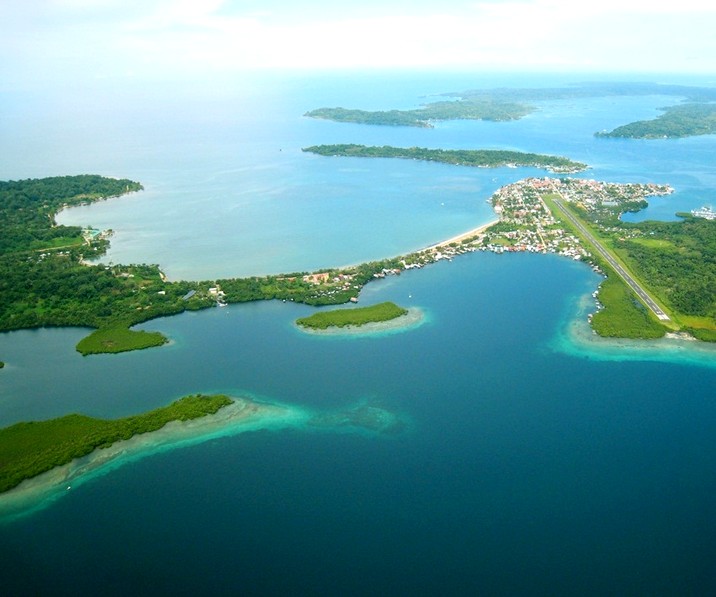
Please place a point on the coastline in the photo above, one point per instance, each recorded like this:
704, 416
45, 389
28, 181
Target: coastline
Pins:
414, 318
461, 237
576, 338
244, 414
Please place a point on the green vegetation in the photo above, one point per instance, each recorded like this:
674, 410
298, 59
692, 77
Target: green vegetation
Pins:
483, 158
28, 449
682, 272
55, 287
674, 260
118, 339
478, 109
27, 208
45, 286
353, 317
504, 104
683, 120
622, 315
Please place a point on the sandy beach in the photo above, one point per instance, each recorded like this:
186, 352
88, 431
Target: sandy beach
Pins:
461, 237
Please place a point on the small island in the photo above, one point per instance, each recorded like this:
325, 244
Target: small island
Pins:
478, 158
357, 317
29, 449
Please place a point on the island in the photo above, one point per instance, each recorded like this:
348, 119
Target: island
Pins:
29, 449
480, 158
683, 120
50, 282
352, 317
42, 461
505, 104
477, 109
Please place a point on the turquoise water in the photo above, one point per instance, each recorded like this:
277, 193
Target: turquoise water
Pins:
527, 464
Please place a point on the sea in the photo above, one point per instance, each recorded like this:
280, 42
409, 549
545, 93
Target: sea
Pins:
530, 458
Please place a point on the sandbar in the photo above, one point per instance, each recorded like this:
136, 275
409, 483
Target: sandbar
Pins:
242, 415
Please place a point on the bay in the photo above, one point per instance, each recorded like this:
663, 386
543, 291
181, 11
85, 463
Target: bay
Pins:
527, 462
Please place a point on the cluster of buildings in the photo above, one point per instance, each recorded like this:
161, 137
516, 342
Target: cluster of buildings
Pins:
526, 224
594, 195
532, 227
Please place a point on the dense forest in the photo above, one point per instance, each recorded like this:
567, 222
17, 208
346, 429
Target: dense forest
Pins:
45, 283
504, 104
478, 109
481, 158
678, 260
683, 120
29, 449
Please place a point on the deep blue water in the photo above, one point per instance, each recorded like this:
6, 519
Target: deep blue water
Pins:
521, 469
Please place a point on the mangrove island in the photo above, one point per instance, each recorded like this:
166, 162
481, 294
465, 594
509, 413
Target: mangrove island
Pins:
479, 158
352, 317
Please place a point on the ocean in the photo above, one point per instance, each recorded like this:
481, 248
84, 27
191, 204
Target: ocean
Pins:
529, 458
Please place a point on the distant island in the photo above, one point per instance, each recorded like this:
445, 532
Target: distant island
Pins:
480, 158
504, 104
357, 317
29, 449
683, 120
422, 117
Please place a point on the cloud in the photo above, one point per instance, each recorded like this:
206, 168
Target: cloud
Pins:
186, 37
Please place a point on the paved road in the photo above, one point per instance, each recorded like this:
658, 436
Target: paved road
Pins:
635, 286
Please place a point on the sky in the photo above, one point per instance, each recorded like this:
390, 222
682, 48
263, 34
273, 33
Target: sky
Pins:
43, 40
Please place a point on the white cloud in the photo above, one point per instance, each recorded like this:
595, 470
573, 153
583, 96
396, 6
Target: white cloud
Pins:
187, 36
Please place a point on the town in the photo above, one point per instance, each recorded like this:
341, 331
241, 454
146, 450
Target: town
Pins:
526, 224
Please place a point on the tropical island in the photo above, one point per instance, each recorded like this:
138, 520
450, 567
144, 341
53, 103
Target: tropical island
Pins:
478, 109
357, 317
683, 120
503, 104
479, 158
29, 449
46, 280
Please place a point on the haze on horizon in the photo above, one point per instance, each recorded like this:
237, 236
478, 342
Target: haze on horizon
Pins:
46, 41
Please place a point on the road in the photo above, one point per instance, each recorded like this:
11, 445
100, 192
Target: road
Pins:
623, 274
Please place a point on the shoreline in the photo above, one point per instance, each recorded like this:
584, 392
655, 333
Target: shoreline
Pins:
244, 414
414, 318
576, 338
461, 237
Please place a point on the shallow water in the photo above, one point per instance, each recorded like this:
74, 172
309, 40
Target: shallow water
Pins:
529, 462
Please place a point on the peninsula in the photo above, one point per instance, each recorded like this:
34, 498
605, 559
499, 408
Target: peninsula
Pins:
46, 280
479, 158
